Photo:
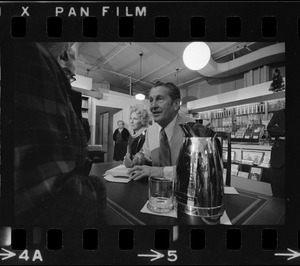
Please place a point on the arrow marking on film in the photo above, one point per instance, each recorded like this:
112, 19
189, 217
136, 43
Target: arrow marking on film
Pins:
292, 255
7, 255
155, 256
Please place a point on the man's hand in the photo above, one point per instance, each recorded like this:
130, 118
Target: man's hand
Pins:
127, 162
142, 171
136, 160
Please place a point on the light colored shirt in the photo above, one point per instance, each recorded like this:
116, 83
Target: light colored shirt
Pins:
152, 144
170, 171
169, 129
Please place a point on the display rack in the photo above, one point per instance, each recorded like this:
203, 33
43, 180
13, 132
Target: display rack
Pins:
250, 167
85, 106
247, 122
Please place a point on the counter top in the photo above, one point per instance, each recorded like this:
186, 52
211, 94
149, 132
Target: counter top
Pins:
124, 202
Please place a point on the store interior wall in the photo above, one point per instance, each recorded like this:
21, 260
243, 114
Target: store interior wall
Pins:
206, 88
113, 100
214, 86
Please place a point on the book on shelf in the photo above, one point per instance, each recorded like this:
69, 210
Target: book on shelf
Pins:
239, 134
234, 172
225, 155
243, 174
256, 135
255, 173
266, 160
248, 134
264, 165
224, 175
248, 162
254, 156
235, 166
235, 169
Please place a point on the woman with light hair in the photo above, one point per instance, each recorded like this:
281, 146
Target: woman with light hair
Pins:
138, 121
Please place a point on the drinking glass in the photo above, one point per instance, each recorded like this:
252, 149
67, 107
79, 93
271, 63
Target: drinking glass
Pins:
161, 194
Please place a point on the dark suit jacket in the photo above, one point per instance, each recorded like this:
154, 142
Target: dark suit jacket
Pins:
276, 128
125, 134
121, 146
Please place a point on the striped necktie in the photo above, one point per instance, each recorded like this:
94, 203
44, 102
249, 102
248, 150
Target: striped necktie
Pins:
164, 151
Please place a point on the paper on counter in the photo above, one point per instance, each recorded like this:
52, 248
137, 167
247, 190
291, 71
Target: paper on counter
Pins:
225, 219
110, 178
172, 213
230, 190
120, 170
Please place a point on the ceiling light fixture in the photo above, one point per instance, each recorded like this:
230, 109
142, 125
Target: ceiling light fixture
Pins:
177, 69
196, 55
140, 96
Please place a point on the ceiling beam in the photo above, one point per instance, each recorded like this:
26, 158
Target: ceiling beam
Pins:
116, 53
94, 94
99, 61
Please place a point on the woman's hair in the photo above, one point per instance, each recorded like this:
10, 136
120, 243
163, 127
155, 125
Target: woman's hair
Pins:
142, 113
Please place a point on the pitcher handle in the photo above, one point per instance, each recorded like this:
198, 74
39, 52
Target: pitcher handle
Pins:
228, 172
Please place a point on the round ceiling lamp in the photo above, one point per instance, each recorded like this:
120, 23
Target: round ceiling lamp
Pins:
196, 55
140, 96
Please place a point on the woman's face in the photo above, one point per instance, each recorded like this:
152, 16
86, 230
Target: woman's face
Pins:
135, 122
120, 125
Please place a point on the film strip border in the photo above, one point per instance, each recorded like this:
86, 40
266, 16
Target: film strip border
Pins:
18, 238
165, 244
160, 21
267, 21
126, 25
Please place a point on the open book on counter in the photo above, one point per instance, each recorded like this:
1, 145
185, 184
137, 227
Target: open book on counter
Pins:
120, 170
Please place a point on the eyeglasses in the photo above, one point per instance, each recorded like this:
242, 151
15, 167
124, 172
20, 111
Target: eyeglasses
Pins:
70, 75
72, 78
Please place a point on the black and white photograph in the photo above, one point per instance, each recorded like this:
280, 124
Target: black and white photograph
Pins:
144, 132
113, 133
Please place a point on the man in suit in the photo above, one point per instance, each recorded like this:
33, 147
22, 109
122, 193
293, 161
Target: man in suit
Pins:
164, 106
276, 128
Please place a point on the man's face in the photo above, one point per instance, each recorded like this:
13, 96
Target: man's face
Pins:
68, 61
162, 107
57, 48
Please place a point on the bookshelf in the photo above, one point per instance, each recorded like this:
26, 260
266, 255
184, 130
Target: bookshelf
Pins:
247, 122
85, 103
250, 167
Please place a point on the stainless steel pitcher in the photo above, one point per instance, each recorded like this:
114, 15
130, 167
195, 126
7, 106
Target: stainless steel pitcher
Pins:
199, 187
